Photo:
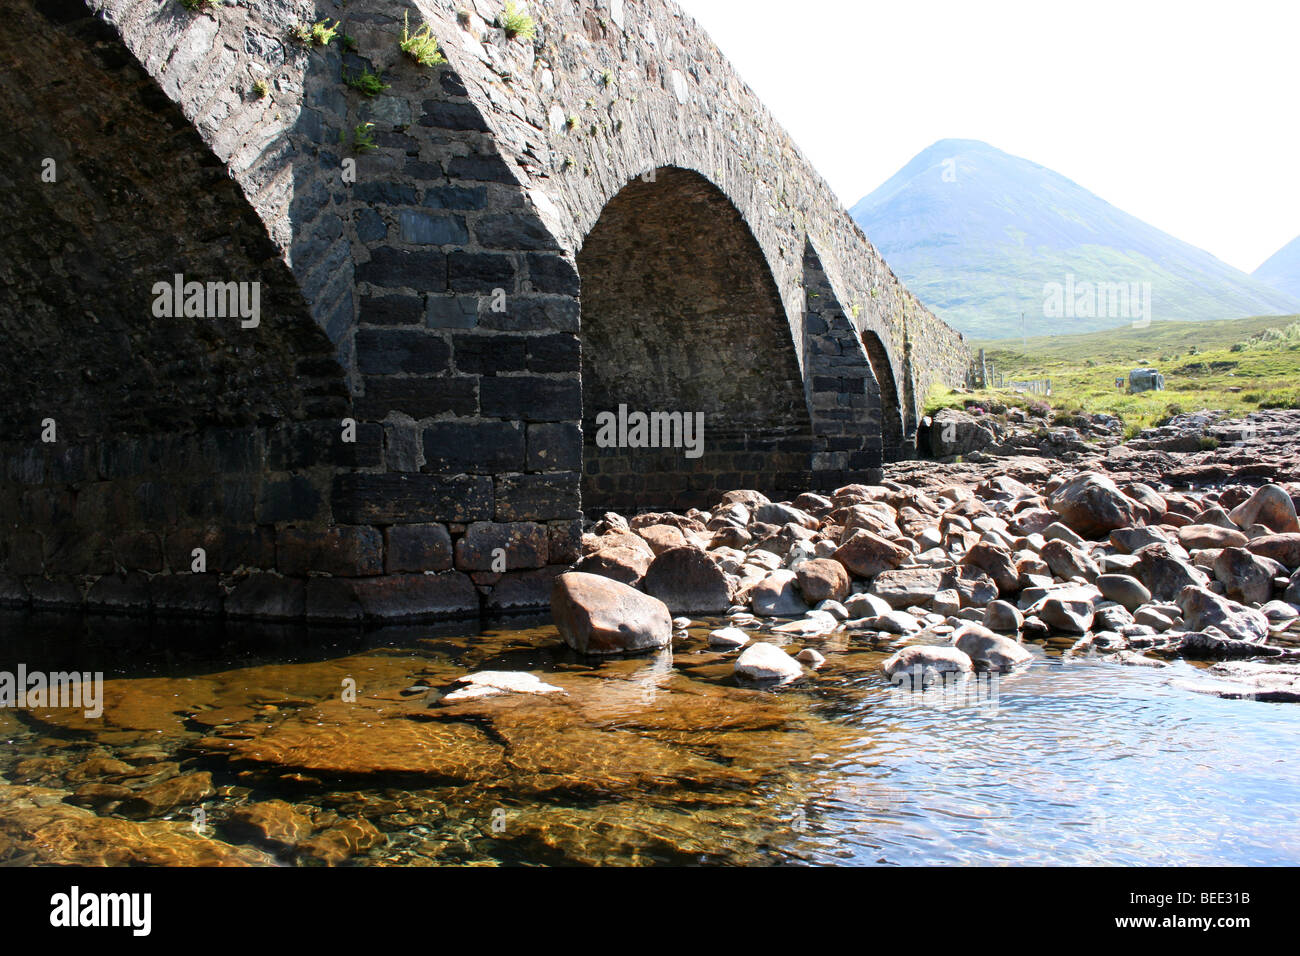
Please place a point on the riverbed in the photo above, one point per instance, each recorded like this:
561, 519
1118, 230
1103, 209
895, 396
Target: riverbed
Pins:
346, 739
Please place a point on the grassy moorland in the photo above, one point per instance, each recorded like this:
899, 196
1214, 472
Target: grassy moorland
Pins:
1236, 365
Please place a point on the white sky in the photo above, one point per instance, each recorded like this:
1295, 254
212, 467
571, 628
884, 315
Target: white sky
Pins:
1183, 113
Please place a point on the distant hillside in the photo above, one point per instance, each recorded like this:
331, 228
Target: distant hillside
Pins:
978, 234
1282, 270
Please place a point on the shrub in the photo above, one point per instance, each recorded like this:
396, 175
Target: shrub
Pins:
196, 5
517, 23
366, 83
260, 89
319, 33
362, 140
420, 46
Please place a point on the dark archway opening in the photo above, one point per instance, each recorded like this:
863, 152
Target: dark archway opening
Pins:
891, 423
681, 315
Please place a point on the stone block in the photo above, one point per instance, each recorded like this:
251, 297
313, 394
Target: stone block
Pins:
417, 596
417, 548
411, 499
343, 551
522, 546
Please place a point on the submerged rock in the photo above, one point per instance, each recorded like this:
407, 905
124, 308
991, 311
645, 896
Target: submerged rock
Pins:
994, 651
728, 637
495, 683
767, 662
925, 662
273, 822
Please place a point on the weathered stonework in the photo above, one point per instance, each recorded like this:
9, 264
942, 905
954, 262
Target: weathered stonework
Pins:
546, 229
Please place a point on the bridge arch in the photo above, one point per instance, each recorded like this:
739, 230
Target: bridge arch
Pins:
681, 314
891, 422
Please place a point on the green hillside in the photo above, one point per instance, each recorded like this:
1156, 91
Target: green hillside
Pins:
1236, 365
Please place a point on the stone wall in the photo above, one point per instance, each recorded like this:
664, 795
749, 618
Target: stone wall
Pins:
408, 417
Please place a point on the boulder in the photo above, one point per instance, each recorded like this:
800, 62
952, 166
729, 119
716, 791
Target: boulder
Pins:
810, 657
866, 554
954, 432
1072, 615
946, 602
1215, 645
1092, 505
781, 539
601, 616
1164, 573
975, 588
1123, 589
1200, 536
1283, 548
822, 579
1202, 609
1128, 540
1244, 576
891, 622
867, 605
662, 537
625, 565
777, 596
728, 638
905, 587
1067, 562
813, 624
1003, 616
1270, 506
497, 684
1112, 617
781, 514
688, 581
767, 662
997, 564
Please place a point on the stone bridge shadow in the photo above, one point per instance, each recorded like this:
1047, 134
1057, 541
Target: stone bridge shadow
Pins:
543, 231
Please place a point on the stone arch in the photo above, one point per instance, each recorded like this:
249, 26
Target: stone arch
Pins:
680, 313
118, 193
891, 421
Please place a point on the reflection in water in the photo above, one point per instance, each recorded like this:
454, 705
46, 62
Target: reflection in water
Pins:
232, 745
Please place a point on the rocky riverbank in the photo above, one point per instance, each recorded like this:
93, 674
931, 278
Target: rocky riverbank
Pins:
1183, 542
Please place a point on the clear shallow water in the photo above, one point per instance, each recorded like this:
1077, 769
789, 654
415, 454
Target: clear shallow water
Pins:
666, 759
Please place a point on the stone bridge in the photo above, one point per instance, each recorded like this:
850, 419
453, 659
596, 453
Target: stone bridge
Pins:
455, 277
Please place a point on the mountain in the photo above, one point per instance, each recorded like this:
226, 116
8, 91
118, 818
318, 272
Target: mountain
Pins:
981, 236
1282, 270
